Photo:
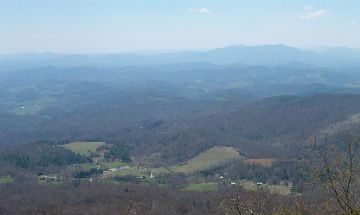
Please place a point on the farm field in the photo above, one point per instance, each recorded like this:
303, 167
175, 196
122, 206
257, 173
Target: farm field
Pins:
207, 159
103, 165
6, 179
129, 172
110, 165
278, 189
84, 148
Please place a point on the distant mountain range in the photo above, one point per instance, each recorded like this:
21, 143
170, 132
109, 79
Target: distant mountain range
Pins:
239, 54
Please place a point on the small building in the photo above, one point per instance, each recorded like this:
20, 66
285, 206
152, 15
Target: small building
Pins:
48, 178
141, 177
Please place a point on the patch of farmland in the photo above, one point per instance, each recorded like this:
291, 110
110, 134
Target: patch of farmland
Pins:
129, 171
208, 159
6, 179
84, 148
114, 164
281, 189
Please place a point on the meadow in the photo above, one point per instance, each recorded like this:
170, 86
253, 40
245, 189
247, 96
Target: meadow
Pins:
84, 148
208, 159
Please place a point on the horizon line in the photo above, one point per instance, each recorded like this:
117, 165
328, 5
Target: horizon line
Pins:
175, 50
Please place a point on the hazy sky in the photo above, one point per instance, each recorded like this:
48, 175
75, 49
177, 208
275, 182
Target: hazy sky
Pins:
83, 26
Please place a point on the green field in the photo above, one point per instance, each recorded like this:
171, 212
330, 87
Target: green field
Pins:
84, 148
6, 179
207, 160
103, 165
129, 171
110, 165
278, 189
204, 187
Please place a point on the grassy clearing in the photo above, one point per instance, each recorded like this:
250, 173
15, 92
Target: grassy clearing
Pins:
103, 165
205, 187
84, 148
7, 179
278, 189
160, 170
207, 159
110, 165
129, 171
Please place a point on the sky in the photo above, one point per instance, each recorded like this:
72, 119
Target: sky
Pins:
112, 26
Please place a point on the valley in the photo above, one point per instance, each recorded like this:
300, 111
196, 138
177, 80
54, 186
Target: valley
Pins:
199, 133
101, 170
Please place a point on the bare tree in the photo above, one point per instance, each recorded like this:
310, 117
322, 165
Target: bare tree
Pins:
131, 208
335, 165
260, 202
243, 202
